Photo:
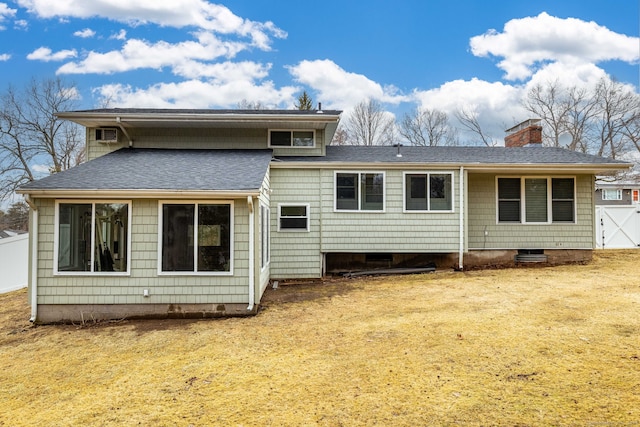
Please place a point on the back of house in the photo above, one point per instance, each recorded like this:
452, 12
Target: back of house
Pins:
183, 213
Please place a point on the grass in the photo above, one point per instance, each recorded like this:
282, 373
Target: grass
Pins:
553, 346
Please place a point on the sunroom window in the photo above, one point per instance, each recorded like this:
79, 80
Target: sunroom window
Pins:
93, 237
292, 138
197, 238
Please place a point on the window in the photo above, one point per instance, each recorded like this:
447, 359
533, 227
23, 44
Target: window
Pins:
196, 238
265, 233
293, 217
611, 194
536, 200
635, 196
292, 138
92, 237
428, 192
359, 191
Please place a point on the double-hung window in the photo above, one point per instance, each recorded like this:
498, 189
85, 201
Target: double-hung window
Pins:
611, 194
359, 191
196, 238
293, 217
426, 192
92, 237
536, 200
292, 138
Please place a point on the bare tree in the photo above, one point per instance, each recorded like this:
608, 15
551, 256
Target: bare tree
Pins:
580, 113
31, 134
340, 137
427, 127
468, 118
619, 108
549, 103
369, 124
252, 105
304, 102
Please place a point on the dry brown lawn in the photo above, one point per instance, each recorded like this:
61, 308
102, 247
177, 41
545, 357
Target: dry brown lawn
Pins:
553, 346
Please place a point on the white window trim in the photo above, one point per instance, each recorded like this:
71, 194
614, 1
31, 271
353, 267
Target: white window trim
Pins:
523, 201
265, 246
292, 131
611, 190
56, 232
195, 246
359, 210
428, 173
295, 230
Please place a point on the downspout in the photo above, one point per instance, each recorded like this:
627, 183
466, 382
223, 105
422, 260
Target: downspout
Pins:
252, 292
33, 236
122, 128
461, 248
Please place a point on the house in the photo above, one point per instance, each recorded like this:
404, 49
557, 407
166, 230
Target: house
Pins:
618, 193
193, 212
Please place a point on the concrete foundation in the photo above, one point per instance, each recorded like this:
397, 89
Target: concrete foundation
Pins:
88, 313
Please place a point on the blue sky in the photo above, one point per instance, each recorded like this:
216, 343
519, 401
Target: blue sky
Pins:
404, 53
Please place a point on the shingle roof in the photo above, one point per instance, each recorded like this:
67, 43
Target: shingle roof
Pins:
159, 169
457, 155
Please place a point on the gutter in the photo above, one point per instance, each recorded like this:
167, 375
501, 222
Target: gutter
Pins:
33, 237
140, 193
252, 291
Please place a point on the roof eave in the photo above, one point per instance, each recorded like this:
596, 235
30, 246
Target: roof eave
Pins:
139, 194
90, 119
474, 167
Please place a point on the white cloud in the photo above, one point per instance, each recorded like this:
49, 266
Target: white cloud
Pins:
121, 35
45, 54
497, 105
5, 12
85, 34
138, 54
198, 94
4, 56
176, 13
21, 24
533, 41
338, 88
41, 168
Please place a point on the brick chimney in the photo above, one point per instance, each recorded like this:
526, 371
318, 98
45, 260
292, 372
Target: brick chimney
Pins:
525, 133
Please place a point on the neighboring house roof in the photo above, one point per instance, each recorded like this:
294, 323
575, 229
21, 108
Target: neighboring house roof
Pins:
11, 233
158, 171
479, 158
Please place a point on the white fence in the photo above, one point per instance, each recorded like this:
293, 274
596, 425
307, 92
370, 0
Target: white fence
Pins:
14, 262
617, 227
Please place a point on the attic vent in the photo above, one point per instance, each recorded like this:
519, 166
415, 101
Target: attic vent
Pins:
107, 135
